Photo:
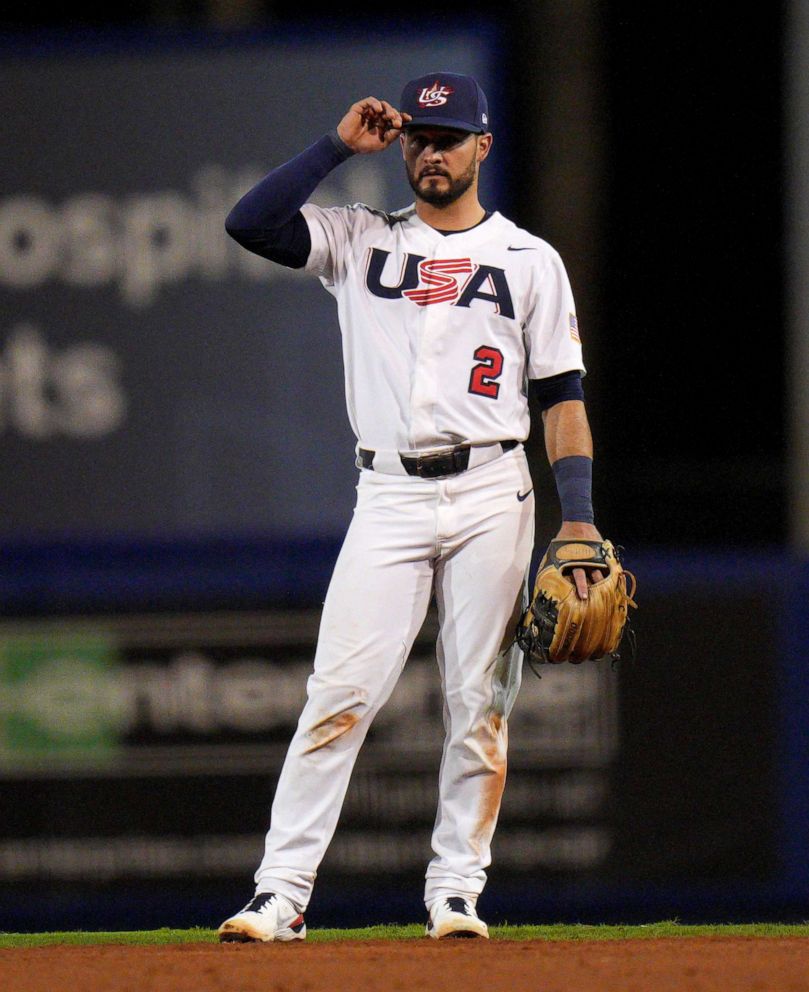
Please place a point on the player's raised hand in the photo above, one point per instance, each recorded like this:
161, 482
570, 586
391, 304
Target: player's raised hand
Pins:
370, 125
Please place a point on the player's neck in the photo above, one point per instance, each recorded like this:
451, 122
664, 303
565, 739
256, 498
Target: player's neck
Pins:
464, 213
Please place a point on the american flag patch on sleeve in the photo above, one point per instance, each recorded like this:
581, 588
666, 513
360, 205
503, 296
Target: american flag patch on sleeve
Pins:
574, 327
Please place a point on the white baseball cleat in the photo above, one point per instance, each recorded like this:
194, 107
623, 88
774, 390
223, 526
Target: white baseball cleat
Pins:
268, 916
455, 917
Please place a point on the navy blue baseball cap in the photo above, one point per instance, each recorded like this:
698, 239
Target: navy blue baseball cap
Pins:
446, 99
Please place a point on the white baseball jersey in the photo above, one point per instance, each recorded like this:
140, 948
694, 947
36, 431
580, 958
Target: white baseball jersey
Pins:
440, 333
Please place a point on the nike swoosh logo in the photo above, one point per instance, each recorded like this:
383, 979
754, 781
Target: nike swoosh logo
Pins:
522, 497
527, 248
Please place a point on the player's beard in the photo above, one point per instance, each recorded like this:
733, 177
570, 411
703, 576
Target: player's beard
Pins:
443, 198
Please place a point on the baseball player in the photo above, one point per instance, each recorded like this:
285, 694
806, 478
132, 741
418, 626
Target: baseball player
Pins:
448, 312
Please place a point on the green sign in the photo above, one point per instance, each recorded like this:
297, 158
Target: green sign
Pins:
60, 699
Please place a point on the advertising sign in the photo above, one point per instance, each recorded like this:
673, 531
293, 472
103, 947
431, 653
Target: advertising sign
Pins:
157, 380
143, 751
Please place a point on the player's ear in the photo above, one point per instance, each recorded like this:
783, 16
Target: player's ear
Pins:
484, 145
402, 142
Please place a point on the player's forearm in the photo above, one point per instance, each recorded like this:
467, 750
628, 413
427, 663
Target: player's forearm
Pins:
274, 201
569, 444
567, 431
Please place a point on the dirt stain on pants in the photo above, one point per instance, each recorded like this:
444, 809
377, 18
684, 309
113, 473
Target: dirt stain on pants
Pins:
492, 738
329, 729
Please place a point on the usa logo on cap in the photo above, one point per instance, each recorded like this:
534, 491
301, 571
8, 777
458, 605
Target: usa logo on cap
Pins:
445, 99
435, 95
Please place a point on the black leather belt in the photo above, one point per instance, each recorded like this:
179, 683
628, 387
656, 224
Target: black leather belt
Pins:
431, 466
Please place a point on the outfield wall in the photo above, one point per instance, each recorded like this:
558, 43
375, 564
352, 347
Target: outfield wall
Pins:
138, 756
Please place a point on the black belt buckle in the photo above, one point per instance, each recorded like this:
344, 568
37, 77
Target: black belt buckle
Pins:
440, 463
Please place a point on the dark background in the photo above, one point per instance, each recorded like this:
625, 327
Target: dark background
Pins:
693, 299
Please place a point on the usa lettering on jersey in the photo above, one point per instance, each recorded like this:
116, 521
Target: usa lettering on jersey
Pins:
439, 333
456, 281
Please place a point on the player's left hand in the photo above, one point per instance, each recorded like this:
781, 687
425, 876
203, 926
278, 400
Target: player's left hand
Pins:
576, 529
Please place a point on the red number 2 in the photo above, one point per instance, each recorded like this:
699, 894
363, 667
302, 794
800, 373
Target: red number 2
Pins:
481, 381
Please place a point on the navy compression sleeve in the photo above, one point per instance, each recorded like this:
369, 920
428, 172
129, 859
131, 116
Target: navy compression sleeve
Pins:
557, 388
267, 220
574, 483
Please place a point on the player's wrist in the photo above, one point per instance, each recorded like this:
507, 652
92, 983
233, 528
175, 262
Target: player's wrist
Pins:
342, 149
577, 530
574, 484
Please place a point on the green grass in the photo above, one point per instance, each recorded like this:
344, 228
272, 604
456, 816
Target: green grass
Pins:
416, 931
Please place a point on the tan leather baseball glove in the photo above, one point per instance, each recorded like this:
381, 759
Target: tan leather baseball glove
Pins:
558, 626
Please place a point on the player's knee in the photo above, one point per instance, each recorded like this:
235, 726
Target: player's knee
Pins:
486, 742
332, 719
329, 730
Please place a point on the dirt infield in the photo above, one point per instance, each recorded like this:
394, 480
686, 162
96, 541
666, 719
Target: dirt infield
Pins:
714, 964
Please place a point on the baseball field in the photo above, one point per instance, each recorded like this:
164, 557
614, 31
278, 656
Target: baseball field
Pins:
662, 957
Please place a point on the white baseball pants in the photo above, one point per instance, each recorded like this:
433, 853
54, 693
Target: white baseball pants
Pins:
470, 538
